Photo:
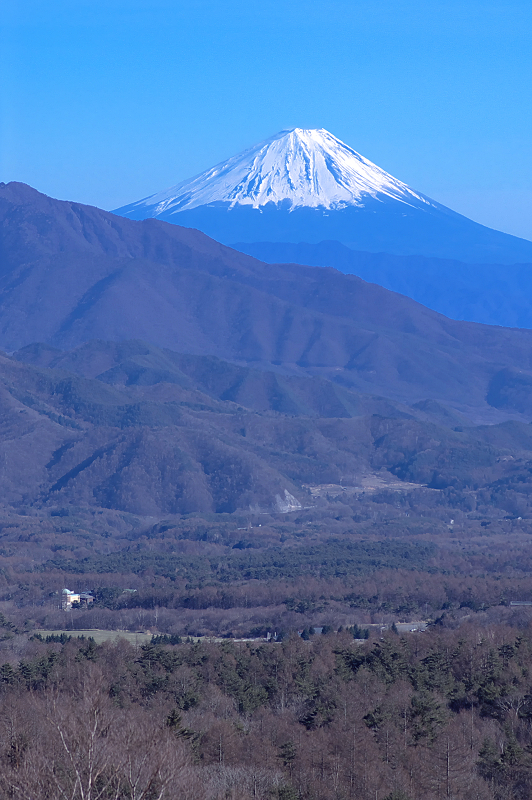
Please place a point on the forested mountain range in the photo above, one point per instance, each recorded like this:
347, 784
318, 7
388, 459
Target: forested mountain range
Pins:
71, 273
133, 435
149, 431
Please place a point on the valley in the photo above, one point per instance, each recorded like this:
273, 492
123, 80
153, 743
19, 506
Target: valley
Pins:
162, 481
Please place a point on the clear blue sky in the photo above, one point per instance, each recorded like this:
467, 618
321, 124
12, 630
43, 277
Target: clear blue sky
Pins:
108, 101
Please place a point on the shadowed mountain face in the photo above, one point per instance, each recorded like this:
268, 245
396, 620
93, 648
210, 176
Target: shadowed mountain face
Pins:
402, 231
494, 294
72, 273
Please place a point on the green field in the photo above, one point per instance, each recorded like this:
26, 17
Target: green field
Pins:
100, 636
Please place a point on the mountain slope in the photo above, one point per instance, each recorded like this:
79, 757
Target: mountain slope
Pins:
493, 294
71, 273
73, 444
308, 186
161, 374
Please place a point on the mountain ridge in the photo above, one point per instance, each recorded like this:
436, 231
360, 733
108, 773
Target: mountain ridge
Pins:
72, 273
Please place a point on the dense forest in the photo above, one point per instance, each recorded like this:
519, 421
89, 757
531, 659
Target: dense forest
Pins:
380, 558
426, 716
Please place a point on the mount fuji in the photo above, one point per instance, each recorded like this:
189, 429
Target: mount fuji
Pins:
308, 186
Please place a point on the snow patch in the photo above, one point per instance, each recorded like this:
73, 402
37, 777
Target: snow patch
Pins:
286, 504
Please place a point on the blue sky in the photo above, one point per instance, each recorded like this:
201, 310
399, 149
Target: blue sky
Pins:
106, 102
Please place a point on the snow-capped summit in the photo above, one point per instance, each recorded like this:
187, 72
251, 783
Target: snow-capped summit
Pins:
305, 185
307, 167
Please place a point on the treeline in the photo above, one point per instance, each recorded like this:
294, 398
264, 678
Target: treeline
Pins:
333, 558
444, 714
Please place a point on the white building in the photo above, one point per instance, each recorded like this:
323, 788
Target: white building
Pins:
68, 598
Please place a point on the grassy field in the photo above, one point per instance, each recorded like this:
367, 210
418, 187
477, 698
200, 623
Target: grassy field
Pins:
101, 636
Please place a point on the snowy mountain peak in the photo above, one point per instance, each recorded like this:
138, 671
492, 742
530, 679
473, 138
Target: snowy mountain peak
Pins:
297, 167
